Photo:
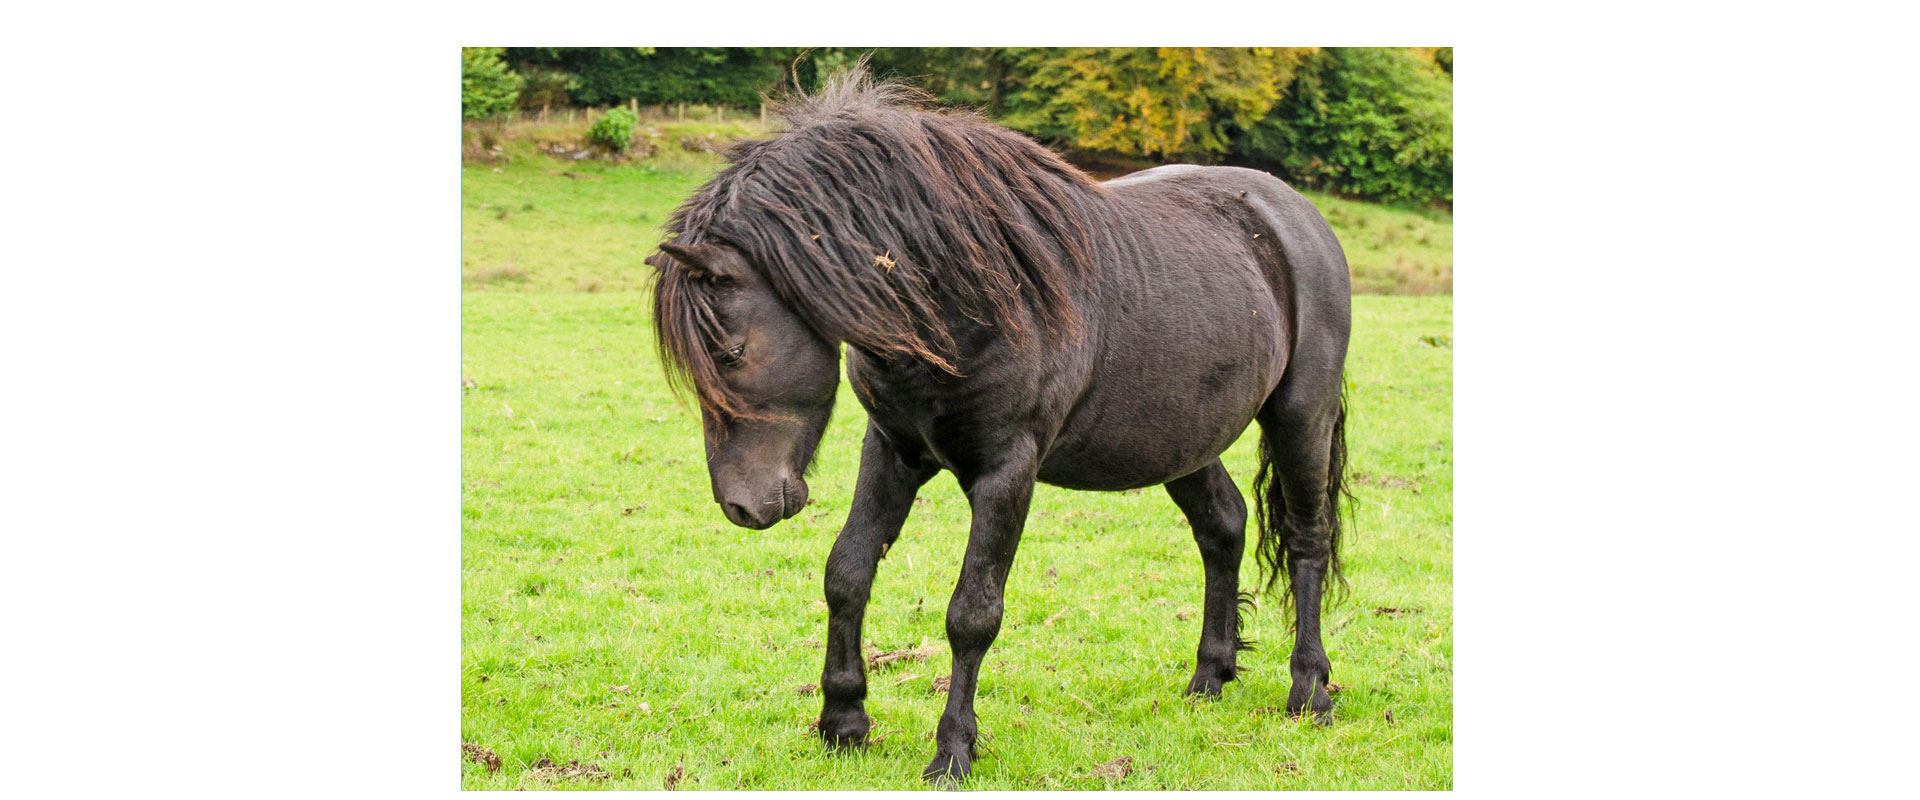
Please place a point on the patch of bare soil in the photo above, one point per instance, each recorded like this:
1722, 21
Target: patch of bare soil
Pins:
1387, 481
1395, 613
546, 769
480, 755
918, 652
1115, 770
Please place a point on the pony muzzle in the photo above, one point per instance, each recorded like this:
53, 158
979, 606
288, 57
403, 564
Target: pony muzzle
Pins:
762, 510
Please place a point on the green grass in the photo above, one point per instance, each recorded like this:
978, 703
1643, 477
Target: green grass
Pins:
611, 616
1392, 250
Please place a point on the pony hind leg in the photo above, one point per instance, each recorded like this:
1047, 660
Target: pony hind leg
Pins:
1302, 467
1218, 516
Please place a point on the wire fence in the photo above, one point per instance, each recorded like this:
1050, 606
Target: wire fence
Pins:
667, 112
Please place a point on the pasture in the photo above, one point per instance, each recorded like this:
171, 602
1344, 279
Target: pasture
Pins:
618, 633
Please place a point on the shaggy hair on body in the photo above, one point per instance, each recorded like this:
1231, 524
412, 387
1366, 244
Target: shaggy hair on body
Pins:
866, 213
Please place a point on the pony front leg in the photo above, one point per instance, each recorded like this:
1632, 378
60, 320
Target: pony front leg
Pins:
999, 499
882, 497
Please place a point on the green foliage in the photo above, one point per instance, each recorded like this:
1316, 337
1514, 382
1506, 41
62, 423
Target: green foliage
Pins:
958, 76
488, 87
614, 131
547, 87
1373, 123
1147, 101
1364, 121
613, 75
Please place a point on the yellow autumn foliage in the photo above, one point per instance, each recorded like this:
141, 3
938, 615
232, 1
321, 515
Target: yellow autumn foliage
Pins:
1148, 101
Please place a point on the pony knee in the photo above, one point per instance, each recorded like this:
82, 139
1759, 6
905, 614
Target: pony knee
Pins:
973, 622
1222, 534
847, 585
1220, 541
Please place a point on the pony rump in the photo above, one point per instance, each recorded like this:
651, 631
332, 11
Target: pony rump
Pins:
877, 222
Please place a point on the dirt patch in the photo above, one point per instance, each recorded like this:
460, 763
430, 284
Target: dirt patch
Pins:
1395, 613
547, 769
918, 652
1388, 481
942, 684
709, 143
806, 689
1114, 770
508, 273
480, 755
674, 777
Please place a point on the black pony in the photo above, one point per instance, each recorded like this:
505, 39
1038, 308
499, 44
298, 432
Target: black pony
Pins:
1011, 320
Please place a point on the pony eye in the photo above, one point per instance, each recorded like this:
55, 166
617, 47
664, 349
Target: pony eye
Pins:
731, 355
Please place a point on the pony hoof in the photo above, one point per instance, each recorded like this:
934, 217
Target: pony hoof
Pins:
1315, 701
947, 772
1205, 688
845, 732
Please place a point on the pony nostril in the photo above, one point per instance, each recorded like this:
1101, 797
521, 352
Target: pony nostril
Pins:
738, 513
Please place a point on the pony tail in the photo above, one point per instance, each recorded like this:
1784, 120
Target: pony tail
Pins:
1272, 551
1270, 515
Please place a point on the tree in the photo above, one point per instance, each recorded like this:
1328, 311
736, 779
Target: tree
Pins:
613, 75
1365, 121
488, 87
1158, 101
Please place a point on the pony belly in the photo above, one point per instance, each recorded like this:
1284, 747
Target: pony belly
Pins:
1167, 418
1113, 472
1116, 458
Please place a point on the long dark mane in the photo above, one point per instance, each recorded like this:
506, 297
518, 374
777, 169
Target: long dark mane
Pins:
876, 219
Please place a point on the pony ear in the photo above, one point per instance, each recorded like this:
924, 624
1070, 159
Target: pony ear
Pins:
703, 260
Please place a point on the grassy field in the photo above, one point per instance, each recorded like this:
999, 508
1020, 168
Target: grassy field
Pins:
618, 633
